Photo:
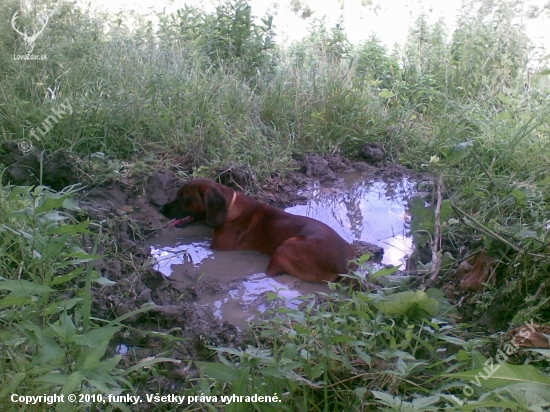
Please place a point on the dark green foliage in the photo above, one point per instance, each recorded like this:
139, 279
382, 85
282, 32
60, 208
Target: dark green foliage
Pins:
228, 37
374, 64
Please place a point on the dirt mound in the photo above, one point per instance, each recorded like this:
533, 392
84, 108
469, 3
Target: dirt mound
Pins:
58, 169
362, 248
373, 153
135, 198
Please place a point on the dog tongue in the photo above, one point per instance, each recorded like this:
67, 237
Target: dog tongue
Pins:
180, 222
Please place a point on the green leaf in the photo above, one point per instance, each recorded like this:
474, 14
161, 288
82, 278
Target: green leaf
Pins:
360, 393
408, 303
219, 371
422, 404
64, 328
14, 301
149, 362
24, 288
66, 278
240, 388
386, 94
49, 351
101, 371
50, 203
520, 197
384, 272
446, 210
478, 360
103, 335
457, 153
290, 350
499, 375
544, 182
317, 371
19, 215
91, 357
71, 204
70, 229
145, 308
104, 281
24, 191
52, 217
230, 351
56, 379
11, 385
364, 258
73, 381
56, 307
391, 353
53, 249
528, 393
453, 340
422, 216
386, 398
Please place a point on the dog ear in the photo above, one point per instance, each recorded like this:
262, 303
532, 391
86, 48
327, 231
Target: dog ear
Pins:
216, 207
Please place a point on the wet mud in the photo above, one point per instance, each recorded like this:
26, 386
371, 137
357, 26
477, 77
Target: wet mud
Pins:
365, 211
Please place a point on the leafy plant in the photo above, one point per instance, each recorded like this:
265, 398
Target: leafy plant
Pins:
50, 342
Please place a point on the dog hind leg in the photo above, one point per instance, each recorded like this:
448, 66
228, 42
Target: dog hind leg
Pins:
295, 257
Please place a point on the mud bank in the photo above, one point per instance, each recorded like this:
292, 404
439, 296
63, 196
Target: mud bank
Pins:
127, 211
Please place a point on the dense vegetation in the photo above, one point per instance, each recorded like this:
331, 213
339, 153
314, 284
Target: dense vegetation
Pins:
199, 91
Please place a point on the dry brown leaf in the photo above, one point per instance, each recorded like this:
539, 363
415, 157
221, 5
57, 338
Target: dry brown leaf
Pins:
530, 336
477, 276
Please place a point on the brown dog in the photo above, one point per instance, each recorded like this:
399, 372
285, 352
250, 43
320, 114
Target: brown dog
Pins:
298, 245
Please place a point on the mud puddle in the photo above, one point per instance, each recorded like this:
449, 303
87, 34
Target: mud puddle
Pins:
373, 211
240, 288
233, 285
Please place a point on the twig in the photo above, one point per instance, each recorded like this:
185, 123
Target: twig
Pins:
483, 167
483, 228
541, 288
436, 242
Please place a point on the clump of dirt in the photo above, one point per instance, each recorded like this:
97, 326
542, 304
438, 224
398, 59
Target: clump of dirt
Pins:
58, 169
373, 153
316, 166
237, 177
362, 248
139, 200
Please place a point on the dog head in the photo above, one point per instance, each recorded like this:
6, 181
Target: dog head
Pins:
199, 200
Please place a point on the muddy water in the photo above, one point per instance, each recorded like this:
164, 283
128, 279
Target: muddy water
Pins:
372, 211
